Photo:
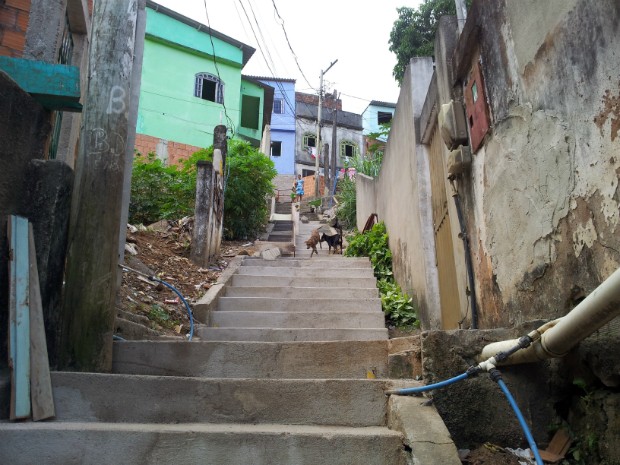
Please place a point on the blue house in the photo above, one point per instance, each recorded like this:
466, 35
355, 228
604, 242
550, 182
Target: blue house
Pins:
376, 114
282, 124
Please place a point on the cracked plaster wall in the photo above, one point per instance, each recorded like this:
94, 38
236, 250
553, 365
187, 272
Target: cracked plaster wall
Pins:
545, 184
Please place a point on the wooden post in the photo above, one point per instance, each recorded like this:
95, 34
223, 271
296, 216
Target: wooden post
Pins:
92, 261
202, 213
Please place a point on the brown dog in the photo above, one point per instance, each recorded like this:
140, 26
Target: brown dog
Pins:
313, 241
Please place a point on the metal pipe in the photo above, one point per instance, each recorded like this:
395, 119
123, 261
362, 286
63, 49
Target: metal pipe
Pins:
599, 308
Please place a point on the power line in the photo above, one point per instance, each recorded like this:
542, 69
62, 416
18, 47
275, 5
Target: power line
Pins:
289, 44
217, 70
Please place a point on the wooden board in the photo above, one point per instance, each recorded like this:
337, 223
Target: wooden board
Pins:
19, 318
40, 381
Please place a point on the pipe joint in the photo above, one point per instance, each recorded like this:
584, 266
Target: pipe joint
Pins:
495, 375
487, 365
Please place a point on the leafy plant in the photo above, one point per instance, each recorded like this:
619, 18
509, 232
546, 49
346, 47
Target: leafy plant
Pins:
160, 192
160, 316
347, 200
397, 305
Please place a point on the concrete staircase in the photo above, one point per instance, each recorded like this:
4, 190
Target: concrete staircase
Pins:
290, 369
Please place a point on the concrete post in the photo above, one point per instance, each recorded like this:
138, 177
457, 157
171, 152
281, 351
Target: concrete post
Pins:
92, 259
202, 214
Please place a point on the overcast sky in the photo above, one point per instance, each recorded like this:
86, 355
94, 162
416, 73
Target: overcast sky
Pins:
355, 32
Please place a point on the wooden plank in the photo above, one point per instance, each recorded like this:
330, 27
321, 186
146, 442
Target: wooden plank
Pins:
55, 86
40, 380
19, 324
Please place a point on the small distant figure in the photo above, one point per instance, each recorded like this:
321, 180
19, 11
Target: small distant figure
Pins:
299, 187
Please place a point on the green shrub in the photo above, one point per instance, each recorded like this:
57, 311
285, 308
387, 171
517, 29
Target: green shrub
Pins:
347, 200
397, 306
162, 192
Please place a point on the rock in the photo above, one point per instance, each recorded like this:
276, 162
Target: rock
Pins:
271, 253
161, 226
131, 248
304, 219
131, 228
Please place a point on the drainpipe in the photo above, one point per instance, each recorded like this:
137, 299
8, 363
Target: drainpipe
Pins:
557, 337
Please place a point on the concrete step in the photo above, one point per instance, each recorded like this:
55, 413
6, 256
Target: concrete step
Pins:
315, 262
223, 319
288, 281
328, 302
300, 292
62, 443
287, 360
306, 272
207, 333
169, 399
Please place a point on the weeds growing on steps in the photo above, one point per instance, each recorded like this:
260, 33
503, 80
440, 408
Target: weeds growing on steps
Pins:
397, 305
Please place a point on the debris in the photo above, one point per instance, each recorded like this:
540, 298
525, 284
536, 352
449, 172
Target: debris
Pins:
131, 248
172, 301
271, 254
249, 244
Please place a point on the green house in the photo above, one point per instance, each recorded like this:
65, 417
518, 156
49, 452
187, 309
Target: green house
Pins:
191, 82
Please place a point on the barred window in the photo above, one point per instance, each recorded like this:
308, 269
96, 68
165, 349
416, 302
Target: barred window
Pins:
209, 87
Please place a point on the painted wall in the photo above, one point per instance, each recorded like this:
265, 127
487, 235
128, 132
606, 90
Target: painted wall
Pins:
370, 118
283, 125
250, 89
168, 109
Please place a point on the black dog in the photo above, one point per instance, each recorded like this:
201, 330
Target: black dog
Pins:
333, 242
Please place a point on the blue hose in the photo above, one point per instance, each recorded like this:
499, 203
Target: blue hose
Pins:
430, 387
524, 426
189, 310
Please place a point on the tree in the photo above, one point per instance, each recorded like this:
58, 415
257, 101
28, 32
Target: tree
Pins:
413, 33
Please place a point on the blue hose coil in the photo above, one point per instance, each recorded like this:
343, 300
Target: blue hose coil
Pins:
189, 310
524, 426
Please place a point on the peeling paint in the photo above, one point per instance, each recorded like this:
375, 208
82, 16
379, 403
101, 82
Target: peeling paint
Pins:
610, 112
584, 236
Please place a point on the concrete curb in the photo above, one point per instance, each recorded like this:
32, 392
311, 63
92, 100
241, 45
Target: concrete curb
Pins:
209, 301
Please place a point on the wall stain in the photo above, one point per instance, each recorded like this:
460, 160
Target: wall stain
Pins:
610, 111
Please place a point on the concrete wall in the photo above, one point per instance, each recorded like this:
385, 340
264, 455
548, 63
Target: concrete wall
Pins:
402, 197
544, 200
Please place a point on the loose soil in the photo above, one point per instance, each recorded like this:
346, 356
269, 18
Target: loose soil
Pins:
164, 253
489, 454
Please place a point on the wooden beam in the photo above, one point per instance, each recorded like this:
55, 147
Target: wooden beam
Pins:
40, 380
56, 87
19, 318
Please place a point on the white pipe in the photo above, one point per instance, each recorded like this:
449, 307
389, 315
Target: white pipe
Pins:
556, 338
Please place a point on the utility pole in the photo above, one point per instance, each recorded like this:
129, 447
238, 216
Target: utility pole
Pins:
318, 130
333, 175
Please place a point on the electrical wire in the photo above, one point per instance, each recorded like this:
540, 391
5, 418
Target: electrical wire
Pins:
217, 70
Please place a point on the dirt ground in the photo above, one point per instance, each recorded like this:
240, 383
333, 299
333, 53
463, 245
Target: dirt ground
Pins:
489, 454
164, 253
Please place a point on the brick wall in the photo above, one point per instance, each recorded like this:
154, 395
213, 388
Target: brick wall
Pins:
172, 151
311, 99
14, 16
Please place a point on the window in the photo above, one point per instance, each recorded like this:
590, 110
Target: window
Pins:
348, 149
209, 87
306, 173
384, 117
278, 106
250, 111
309, 140
276, 148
